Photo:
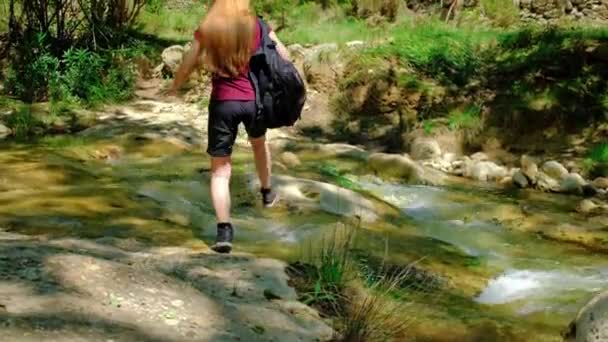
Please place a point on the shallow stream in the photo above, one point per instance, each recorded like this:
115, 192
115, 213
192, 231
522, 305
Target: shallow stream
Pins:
507, 281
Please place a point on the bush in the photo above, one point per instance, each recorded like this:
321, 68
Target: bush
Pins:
80, 76
596, 163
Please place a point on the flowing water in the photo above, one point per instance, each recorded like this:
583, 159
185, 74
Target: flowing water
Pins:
507, 281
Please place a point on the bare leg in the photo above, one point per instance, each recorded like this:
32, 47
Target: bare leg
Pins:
221, 169
261, 154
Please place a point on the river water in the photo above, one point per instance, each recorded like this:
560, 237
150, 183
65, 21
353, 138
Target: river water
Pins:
507, 281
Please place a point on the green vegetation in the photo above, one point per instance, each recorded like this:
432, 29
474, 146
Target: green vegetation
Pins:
469, 118
22, 122
502, 13
171, 24
358, 294
596, 162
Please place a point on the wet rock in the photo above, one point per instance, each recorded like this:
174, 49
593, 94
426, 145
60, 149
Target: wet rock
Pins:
572, 183
544, 182
591, 322
486, 171
4, 132
601, 183
589, 190
402, 167
290, 159
520, 179
554, 170
529, 168
83, 119
424, 148
587, 207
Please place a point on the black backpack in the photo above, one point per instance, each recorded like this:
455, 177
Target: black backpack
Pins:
279, 90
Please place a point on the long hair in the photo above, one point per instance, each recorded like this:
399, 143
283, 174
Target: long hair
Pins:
227, 37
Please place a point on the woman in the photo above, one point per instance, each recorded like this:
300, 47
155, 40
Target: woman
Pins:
224, 43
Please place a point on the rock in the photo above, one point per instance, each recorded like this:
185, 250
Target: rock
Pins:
591, 322
480, 156
601, 183
572, 183
424, 148
506, 181
83, 119
554, 170
449, 157
172, 58
402, 167
4, 132
586, 207
290, 159
544, 182
323, 71
486, 171
355, 45
520, 179
529, 168
589, 190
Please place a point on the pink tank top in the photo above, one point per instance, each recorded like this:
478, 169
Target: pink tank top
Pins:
235, 88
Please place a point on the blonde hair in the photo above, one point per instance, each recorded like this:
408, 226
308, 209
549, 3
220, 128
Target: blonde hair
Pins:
227, 37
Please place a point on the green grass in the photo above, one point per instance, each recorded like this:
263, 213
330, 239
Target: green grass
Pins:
436, 49
174, 25
469, 118
22, 122
309, 24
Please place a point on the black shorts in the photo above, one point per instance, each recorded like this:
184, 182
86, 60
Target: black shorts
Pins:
224, 120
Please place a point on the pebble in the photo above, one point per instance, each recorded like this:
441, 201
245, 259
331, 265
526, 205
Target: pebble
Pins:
178, 303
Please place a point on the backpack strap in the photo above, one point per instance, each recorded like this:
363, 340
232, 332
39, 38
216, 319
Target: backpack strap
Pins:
266, 41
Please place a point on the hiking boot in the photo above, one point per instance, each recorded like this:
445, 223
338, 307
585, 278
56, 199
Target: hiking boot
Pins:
223, 240
269, 197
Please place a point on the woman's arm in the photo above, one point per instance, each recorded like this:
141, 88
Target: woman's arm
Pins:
283, 52
188, 64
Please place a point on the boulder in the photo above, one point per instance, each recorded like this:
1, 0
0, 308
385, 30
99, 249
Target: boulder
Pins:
172, 58
520, 179
322, 73
554, 170
480, 156
587, 207
402, 167
486, 171
4, 132
572, 183
601, 183
425, 148
449, 157
529, 168
544, 182
311, 194
591, 322
290, 159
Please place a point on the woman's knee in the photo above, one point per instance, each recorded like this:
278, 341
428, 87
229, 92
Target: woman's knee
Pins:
221, 167
258, 142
